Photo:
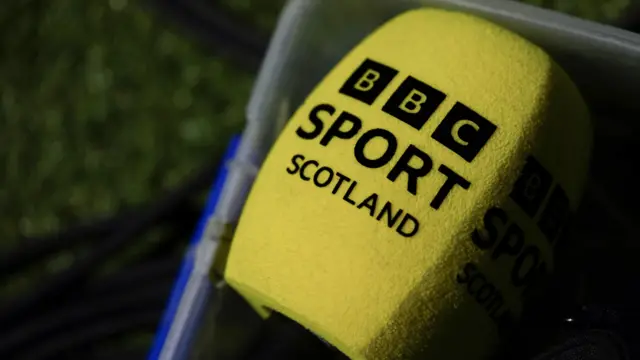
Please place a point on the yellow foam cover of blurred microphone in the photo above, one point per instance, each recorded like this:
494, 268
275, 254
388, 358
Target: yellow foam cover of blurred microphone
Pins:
413, 201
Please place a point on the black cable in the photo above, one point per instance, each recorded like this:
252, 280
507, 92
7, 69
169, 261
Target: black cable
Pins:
32, 249
175, 239
35, 248
173, 243
209, 24
77, 315
131, 277
50, 289
97, 331
114, 354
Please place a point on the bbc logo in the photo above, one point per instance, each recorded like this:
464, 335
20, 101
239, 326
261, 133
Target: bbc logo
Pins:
463, 131
530, 191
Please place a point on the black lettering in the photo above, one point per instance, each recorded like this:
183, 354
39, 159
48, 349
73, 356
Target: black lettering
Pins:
302, 175
370, 203
495, 304
391, 218
478, 277
532, 253
401, 228
296, 165
392, 146
464, 131
555, 215
316, 121
368, 81
490, 234
341, 178
531, 187
414, 102
412, 173
335, 130
485, 293
316, 177
468, 270
349, 190
511, 242
453, 179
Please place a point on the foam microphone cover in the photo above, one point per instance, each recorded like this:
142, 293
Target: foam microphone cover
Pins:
411, 205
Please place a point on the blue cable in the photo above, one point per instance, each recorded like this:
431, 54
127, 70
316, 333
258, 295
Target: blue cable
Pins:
188, 262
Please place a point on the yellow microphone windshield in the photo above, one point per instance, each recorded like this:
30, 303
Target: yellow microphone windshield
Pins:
412, 203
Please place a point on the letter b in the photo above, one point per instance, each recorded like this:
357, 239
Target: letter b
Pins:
368, 81
532, 187
414, 102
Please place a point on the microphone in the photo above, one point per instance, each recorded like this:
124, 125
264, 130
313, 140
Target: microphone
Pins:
411, 206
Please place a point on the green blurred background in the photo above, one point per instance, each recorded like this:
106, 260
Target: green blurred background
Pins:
104, 104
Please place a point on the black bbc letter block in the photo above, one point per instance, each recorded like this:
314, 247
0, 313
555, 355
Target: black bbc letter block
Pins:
555, 215
414, 102
368, 81
464, 131
531, 187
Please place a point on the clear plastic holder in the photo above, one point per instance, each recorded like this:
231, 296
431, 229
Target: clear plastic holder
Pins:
310, 38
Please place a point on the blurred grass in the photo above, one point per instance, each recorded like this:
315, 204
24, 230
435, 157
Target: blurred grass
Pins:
103, 105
